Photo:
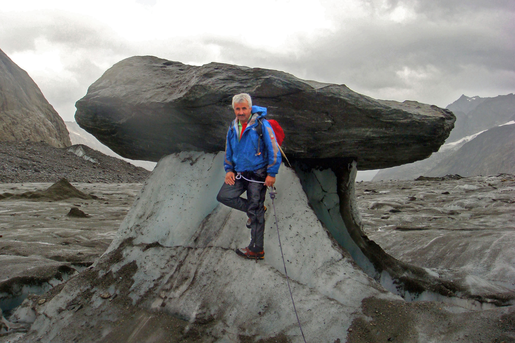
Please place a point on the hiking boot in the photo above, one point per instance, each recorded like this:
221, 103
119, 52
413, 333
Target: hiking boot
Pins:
248, 219
246, 253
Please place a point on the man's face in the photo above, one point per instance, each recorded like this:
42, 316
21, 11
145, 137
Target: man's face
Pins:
242, 111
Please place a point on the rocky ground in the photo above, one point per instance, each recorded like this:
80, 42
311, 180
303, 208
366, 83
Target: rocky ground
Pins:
39, 162
451, 226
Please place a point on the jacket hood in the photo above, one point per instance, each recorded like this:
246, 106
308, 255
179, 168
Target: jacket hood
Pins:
261, 111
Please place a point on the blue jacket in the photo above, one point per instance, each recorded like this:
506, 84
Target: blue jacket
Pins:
251, 152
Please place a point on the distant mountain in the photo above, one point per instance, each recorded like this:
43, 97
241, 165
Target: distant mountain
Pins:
465, 104
477, 114
25, 114
80, 136
490, 153
474, 116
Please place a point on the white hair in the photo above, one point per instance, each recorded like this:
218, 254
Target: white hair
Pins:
242, 97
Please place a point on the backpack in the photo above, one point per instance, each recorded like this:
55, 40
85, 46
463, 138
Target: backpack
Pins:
278, 131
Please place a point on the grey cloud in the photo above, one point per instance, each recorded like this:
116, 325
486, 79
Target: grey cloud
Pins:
444, 8
459, 7
16, 32
468, 52
68, 30
455, 47
83, 44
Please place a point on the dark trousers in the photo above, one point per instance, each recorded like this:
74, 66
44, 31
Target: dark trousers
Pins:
253, 205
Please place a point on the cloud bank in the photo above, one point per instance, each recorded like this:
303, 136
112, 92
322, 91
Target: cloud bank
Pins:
431, 51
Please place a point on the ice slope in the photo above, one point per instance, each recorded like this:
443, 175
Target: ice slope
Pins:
178, 208
171, 272
179, 244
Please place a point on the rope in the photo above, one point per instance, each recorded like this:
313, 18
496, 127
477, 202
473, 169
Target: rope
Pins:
272, 196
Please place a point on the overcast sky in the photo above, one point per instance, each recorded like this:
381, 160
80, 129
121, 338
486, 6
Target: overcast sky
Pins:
431, 51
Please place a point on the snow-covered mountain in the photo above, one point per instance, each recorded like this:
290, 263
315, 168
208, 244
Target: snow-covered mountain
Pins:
478, 114
477, 145
490, 153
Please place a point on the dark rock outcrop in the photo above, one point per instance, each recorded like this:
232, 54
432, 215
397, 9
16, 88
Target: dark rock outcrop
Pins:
25, 114
147, 107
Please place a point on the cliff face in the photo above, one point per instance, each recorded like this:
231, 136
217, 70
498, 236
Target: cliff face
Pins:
25, 114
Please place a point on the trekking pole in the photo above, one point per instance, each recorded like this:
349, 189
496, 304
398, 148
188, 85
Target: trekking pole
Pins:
272, 196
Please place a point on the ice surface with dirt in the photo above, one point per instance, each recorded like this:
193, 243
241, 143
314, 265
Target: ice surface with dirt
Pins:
462, 228
171, 271
41, 245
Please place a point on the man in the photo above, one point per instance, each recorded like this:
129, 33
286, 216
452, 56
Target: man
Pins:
252, 160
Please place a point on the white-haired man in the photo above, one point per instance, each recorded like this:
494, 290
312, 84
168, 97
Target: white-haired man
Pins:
252, 160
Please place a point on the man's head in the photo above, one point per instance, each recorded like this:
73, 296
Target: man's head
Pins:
242, 105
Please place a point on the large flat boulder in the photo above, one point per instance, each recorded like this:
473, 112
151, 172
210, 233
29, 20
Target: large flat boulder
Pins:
25, 114
147, 107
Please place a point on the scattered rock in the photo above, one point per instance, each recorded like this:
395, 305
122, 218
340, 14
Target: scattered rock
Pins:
448, 228
439, 178
75, 212
33, 257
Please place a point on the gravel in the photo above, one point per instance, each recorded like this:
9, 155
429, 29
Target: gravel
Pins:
39, 162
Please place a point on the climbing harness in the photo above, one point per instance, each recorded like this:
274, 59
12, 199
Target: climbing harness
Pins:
272, 192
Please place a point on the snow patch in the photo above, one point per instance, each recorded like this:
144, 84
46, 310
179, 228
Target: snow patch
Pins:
457, 144
79, 151
508, 123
